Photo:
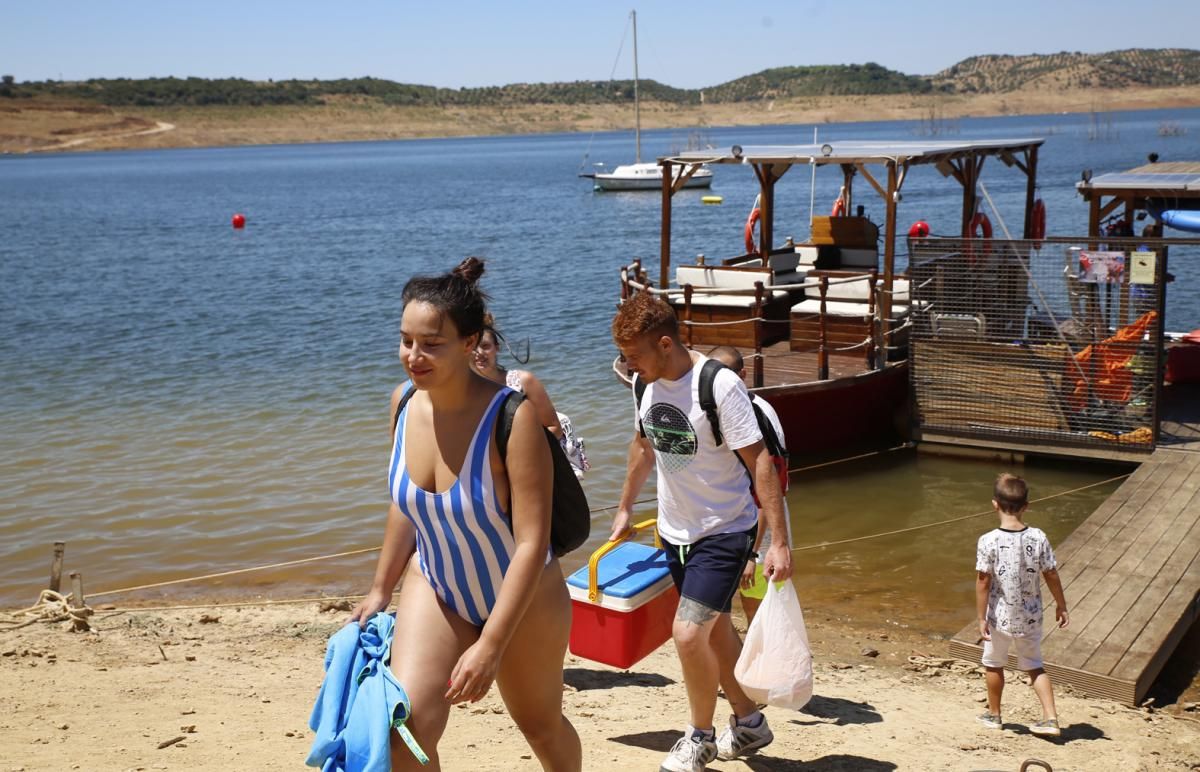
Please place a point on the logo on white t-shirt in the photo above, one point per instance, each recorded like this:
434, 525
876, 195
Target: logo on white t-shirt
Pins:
671, 434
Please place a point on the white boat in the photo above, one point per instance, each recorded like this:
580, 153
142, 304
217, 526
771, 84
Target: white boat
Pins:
646, 176
638, 175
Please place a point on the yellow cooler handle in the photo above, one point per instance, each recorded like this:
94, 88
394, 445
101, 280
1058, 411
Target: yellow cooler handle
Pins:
607, 547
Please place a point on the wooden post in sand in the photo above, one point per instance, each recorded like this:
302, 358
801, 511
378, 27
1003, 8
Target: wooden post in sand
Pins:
56, 566
76, 589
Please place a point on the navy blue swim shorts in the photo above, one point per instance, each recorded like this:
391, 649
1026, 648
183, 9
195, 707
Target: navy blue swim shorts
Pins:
709, 570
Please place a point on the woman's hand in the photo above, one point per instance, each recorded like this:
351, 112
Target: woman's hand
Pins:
474, 672
376, 601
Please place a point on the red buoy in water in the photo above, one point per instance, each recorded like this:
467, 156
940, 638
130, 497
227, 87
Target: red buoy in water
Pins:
239, 220
919, 230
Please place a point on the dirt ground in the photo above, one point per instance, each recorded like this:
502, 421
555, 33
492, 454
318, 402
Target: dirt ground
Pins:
232, 688
36, 125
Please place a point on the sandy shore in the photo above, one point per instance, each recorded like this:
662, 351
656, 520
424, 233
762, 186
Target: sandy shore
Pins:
40, 126
235, 693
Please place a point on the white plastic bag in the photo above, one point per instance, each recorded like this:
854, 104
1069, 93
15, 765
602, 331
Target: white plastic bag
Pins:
775, 666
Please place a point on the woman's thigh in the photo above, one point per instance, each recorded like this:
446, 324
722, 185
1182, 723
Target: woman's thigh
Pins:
428, 641
530, 674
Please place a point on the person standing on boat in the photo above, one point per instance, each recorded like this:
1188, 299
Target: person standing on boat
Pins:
485, 599
487, 364
754, 581
706, 518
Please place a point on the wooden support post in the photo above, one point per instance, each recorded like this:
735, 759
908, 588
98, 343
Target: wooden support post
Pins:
822, 349
76, 589
664, 255
758, 312
56, 566
687, 311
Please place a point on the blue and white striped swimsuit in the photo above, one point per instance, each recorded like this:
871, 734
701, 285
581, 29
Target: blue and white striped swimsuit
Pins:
464, 536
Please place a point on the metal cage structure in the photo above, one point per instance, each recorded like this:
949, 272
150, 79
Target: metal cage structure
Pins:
1038, 345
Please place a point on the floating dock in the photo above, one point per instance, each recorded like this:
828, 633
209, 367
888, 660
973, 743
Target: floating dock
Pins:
1131, 575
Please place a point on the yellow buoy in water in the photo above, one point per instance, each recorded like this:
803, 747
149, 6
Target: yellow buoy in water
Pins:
711, 199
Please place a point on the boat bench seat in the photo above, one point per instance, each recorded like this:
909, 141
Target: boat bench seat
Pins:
727, 311
848, 315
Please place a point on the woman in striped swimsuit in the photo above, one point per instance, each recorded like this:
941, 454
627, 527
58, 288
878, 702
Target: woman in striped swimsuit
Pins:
485, 599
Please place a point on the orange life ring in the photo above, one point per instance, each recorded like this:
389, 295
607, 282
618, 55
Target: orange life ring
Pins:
980, 229
751, 221
1037, 223
839, 207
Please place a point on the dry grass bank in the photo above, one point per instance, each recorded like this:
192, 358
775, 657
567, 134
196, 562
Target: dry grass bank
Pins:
34, 125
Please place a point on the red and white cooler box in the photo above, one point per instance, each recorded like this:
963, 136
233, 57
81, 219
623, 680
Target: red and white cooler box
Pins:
623, 604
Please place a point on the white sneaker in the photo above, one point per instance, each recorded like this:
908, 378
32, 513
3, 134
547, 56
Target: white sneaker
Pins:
690, 754
740, 740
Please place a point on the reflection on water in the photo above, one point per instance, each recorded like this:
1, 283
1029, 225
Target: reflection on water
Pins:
924, 578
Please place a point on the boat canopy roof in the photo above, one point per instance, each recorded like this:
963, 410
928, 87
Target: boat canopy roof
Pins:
1175, 178
857, 152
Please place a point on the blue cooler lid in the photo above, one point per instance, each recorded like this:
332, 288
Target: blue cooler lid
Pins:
626, 571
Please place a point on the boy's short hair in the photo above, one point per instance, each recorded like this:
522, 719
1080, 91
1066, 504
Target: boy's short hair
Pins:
644, 314
730, 356
1011, 493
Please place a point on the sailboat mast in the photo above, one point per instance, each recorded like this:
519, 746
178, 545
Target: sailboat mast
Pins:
637, 106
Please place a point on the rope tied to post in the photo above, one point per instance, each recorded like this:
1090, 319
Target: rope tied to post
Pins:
51, 607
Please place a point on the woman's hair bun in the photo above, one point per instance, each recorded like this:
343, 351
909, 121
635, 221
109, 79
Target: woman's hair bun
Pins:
470, 269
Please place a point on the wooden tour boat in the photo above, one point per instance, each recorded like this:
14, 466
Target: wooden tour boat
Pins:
822, 325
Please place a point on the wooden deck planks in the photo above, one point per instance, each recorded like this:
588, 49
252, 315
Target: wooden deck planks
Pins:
1131, 574
1092, 595
1130, 584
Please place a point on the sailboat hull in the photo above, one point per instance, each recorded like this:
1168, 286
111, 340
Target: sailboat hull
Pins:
646, 176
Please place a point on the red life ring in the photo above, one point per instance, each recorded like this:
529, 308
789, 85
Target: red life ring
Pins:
980, 229
1037, 223
839, 207
751, 221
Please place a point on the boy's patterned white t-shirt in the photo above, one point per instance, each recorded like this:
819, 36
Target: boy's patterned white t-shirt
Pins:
1016, 560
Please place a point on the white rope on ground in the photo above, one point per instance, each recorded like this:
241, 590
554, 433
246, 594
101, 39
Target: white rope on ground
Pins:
50, 607
951, 520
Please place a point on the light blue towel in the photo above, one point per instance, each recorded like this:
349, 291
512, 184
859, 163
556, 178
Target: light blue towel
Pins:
360, 702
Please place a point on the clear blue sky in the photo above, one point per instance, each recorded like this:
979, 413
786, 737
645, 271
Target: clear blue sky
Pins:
474, 43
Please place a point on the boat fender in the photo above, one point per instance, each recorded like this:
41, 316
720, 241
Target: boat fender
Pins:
919, 230
1037, 223
751, 221
839, 207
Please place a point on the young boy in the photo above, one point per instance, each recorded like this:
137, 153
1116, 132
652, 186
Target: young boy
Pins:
754, 582
1008, 599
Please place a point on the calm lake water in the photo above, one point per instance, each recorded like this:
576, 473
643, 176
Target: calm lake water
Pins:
182, 398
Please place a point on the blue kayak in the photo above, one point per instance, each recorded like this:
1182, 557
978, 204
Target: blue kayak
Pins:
1181, 219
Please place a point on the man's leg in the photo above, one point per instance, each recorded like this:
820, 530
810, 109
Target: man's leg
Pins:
692, 632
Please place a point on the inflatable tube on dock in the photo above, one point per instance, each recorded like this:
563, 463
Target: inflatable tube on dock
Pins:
1181, 219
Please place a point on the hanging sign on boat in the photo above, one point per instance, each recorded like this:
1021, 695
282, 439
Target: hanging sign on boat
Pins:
1141, 267
1101, 267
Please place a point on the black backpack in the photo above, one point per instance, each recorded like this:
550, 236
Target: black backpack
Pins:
570, 517
708, 403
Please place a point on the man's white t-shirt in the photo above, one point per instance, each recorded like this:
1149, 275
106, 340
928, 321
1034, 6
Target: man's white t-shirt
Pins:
1016, 561
703, 489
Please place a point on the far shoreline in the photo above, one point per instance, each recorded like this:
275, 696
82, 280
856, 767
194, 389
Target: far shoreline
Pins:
40, 126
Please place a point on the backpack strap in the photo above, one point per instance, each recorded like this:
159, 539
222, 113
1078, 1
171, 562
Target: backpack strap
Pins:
770, 438
639, 391
400, 407
708, 400
508, 413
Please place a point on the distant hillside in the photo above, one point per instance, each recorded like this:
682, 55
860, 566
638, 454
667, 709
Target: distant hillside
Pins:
820, 80
1130, 68
992, 74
